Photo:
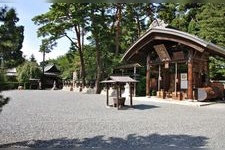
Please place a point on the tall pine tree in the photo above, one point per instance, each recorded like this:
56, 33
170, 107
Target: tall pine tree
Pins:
11, 37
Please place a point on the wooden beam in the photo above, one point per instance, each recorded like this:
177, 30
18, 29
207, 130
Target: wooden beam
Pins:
165, 81
131, 100
175, 79
120, 92
180, 40
137, 48
148, 76
190, 80
107, 94
135, 85
117, 95
190, 74
207, 72
159, 78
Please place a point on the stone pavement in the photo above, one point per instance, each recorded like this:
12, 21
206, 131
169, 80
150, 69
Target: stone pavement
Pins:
183, 102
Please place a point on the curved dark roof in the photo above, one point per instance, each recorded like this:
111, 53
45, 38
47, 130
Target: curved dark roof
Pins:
51, 68
168, 34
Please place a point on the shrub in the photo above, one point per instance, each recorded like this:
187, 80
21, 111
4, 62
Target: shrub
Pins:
3, 100
28, 70
141, 87
10, 85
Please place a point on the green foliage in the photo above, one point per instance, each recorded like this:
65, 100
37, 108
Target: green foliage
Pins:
47, 45
2, 78
209, 25
193, 27
28, 70
167, 12
10, 85
3, 100
135, 20
217, 68
99, 19
141, 87
90, 62
100, 23
211, 22
110, 61
32, 58
206, 20
179, 15
11, 37
58, 22
65, 65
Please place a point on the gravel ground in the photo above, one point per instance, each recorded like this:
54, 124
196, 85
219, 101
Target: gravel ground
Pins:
56, 119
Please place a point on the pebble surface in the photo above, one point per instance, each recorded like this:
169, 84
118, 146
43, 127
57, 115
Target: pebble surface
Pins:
63, 119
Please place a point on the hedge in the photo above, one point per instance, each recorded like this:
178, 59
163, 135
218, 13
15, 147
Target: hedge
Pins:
13, 85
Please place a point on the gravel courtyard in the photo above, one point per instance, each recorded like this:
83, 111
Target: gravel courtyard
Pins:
56, 119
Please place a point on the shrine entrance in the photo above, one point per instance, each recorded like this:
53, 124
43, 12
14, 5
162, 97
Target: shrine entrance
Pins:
171, 80
177, 63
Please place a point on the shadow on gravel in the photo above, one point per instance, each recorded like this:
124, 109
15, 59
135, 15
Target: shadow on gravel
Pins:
131, 141
143, 106
138, 106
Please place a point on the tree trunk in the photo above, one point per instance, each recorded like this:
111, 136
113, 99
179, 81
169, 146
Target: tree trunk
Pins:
138, 26
83, 72
43, 62
118, 14
99, 66
43, 71
96, 36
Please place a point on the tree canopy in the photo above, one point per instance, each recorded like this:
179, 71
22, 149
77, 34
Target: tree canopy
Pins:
11, 37
111, 28
28, 70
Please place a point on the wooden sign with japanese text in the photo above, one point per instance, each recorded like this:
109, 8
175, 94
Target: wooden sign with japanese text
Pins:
162, 52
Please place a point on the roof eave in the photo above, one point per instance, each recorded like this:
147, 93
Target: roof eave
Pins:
217, 49
204, 45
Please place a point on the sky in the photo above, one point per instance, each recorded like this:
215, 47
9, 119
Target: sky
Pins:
26, 10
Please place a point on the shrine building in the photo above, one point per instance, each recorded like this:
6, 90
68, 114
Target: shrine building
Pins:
176, 62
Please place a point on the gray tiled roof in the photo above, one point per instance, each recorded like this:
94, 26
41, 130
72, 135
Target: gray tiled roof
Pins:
121, 79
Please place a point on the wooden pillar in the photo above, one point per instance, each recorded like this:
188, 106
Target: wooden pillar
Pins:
107, 94
117, 95
190, 80
148, 76
159, 78
165, 81
131, 100
135, 85
175, 79
120, 93
207, 72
